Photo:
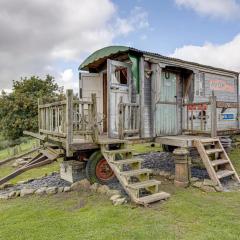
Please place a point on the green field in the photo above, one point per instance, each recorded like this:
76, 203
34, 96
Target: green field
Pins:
188, 214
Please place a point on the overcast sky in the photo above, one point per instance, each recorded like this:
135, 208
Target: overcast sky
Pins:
39, 37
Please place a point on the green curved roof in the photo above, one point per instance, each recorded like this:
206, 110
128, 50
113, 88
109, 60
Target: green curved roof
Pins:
102, 53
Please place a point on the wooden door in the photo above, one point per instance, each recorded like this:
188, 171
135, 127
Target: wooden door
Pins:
119, 80
166, 107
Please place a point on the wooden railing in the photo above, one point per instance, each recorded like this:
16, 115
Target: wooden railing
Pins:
129, 119
207, 115
64, 120
191, 125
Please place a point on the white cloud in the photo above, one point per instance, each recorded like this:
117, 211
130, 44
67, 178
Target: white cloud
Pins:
215, 8
44, 34
67, 75
137, 20
223, 56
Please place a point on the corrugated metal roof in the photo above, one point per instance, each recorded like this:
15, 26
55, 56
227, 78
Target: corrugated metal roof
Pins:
111, 50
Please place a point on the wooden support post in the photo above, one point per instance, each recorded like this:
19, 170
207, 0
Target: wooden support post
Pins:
121, 119
142, 90
182, 167
192, 120
213, 101
94, 118
39, 115
69, 121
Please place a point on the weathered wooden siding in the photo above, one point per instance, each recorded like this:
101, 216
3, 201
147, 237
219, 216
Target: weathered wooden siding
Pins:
146, 99
225, 89
147, 107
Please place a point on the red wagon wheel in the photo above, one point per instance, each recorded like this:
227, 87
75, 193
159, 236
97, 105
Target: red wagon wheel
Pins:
103, 170
98, 170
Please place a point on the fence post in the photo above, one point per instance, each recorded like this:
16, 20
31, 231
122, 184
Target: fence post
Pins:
213, 101
94, 118
69, 121
121, 119
39, 115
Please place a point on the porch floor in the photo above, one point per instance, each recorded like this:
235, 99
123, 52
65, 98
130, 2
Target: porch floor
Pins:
179, 140
80, 143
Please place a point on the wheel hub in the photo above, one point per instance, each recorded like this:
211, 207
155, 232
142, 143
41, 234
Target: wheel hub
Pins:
104, 171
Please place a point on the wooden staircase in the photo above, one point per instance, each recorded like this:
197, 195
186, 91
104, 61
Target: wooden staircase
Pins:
216, 160
134, 179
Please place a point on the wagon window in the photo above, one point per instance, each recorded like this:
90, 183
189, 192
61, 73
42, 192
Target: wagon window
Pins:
121, 75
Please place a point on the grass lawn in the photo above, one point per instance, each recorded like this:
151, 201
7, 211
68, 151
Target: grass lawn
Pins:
24, 148
188, 214
146, 147
34, 173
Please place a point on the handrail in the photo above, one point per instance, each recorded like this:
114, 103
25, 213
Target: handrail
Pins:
46, 105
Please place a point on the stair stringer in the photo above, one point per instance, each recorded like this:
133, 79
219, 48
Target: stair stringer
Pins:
122, 180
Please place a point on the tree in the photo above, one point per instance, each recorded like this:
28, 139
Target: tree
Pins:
19, 110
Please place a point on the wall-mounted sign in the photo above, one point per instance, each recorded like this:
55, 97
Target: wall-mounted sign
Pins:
221, 104
221, 85
197, 107
227, 116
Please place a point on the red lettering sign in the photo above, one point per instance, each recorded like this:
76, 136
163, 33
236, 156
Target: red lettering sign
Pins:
221, 85
197, 107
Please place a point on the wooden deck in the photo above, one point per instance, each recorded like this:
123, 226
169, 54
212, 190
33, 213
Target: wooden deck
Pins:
179, 140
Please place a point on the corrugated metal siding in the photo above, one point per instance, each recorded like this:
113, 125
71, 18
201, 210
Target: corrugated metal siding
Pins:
166, 114
166, 117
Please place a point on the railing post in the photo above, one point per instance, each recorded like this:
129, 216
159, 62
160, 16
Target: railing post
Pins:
213, 101
121, 119
39, 115
94, 118
69, 121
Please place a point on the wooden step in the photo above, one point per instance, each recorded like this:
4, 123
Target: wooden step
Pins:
109, 141
135, 172
118, 151
215, 150
224, 173
144, 184
154, 197
209, 140
219, 162
128, 161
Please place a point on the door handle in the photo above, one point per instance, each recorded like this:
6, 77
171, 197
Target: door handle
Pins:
115, 88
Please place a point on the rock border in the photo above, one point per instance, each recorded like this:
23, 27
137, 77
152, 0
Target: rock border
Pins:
115, 196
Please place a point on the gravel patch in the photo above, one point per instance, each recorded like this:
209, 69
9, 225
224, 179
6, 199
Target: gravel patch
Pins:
52, 180
165, 161
154, 160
